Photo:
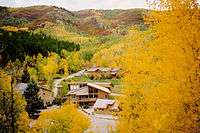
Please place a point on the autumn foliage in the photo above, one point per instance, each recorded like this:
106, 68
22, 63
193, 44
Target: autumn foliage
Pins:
162, 84
64, 119
13, 116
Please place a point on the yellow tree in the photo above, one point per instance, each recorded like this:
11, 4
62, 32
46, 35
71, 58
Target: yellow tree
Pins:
178, 27
75, 61
111, 57
63, 65
12, 107
65, 119
162, 86
50, 67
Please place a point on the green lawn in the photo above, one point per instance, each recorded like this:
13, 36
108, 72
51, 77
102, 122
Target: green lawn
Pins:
86, 79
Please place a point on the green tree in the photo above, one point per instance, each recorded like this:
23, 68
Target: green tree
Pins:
18, 44
34, 102
25, 76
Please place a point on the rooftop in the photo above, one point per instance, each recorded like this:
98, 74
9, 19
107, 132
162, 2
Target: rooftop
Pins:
103, 103
21, 87
99, 87
84, 90
103, 69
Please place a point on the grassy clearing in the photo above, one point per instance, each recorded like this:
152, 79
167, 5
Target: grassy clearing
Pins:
86, 79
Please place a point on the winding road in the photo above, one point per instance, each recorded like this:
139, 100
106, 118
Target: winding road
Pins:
57, 82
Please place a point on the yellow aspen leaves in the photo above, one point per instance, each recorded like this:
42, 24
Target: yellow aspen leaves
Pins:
162, 83
64, 119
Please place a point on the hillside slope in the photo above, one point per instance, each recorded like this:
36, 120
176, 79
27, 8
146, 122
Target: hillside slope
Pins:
91, 22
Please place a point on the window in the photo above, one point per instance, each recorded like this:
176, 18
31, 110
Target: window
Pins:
95, 91
106, 96
90, 90
95, 96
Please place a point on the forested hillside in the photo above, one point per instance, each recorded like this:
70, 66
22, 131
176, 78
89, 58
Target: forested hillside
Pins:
147, 60
18, 44
92, 29
92, 22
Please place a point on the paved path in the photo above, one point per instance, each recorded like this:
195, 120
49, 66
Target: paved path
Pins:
57, 82
100, 123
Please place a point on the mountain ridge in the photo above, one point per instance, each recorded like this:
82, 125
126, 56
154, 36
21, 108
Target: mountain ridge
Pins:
88, 21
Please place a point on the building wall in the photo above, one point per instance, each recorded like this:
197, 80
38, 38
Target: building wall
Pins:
90, 99
102, 95
46, 96
76, 86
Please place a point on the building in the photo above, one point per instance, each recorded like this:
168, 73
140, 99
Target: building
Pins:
106, 104
21, 87
45, 94
86, 94
103, 71
102, 104
108, 85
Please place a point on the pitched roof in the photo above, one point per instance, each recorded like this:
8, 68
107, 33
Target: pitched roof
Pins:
115, 69
103, 69
104, 84
84, 90
92, 69
99, 87
103, 103
21, 87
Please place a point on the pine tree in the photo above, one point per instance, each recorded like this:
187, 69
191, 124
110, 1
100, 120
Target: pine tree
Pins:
25, 76
34, 102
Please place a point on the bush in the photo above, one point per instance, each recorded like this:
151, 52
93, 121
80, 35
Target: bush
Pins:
13, 21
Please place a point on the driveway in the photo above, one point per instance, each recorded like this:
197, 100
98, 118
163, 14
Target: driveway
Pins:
100, 123
57, 82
